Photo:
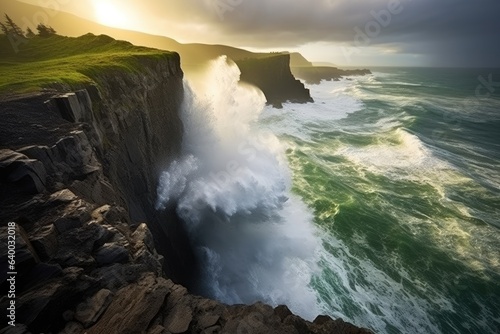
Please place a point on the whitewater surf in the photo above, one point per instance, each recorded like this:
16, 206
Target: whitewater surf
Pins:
378, 203
254, 237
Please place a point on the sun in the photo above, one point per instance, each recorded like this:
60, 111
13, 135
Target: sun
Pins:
109, 13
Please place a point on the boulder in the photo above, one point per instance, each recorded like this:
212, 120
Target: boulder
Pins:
111, 253
44, 241
62, 196
282, 311
207, 320
24, 175
77, 245
179, 319
133, 307
118, 275
88, 312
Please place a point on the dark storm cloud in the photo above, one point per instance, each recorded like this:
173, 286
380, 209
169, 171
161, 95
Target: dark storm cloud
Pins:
463, 32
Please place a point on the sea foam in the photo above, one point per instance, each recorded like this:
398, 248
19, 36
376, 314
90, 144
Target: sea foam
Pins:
254, 238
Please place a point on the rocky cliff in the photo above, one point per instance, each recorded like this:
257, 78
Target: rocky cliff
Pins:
78, 174
314, 74
273, 76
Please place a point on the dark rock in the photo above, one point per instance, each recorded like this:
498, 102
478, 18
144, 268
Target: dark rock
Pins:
282, 311
110, 253
88, 312
315, 74
325, 324
158, 329
74, 215
21, 174
212, 330
25, 255
273, 76
177, 292
142, 237
44, 241
42, 308
62, 196
87, 238
133, 307
18, 329
298, 323
109, 214
95, 189
207, 320
39, 274
73, 328
68, 106
64, 224
118, 275
256, 318
77, 155
322, 319
179, 319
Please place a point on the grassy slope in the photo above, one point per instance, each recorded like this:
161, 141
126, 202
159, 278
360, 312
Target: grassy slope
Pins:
43, 62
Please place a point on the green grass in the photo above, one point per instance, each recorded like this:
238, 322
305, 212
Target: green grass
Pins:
47, 62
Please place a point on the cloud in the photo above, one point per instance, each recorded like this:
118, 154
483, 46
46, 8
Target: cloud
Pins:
446, 32
461, 30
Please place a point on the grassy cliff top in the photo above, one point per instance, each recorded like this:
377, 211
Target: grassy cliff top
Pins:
43, 62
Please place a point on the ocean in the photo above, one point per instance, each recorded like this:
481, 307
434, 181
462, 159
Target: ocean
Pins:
378, 203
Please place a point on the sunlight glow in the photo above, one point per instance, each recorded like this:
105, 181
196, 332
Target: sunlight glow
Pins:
109, 13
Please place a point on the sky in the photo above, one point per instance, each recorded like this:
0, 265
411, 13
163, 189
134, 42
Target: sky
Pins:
452, 33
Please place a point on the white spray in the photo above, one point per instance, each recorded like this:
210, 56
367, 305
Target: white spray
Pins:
232, 187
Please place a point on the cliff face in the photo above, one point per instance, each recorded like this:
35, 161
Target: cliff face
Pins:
137, 132
314, 74
78, 174
273, 76
118, 136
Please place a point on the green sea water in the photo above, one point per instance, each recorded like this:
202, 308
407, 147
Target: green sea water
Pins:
379, 203
401, 170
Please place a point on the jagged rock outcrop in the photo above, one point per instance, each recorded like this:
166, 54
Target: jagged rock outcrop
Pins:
315, 74
108, 143
273, 76
78, 174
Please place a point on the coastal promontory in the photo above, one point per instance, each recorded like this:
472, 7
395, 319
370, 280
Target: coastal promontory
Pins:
88, 124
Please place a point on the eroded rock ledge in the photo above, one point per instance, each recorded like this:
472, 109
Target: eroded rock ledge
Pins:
273, 76
78, 173
315, 74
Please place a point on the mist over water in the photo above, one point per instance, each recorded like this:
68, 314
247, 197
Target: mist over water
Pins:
378, 203
255, 239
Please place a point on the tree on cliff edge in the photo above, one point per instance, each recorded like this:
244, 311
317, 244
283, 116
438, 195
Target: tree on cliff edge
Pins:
10, 27
4, 28
30, 33
45, 31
